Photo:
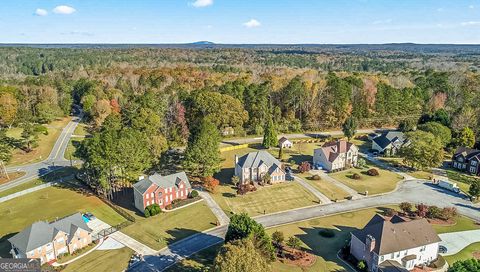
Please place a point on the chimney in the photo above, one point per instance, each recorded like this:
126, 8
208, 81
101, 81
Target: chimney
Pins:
236, 159
140, 178
370, 243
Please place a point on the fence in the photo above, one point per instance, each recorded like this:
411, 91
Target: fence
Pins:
234, 147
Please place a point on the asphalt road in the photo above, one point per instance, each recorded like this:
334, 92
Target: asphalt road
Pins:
54, 161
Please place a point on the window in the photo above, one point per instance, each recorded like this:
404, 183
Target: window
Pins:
398, 254
472, 169
148, 202
181, 193
474, 162
152, 195
147, 196
381, 258
423, 248
455, 164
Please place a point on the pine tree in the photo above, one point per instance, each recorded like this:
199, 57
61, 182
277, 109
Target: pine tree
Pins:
270, 138
349, 128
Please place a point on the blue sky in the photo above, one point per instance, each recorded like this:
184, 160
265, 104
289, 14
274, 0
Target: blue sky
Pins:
240, 21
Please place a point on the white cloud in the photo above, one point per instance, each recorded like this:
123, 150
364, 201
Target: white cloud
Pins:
252, 23
440, 9
41, 12
202, 3
63, 10
471, 7
470, 23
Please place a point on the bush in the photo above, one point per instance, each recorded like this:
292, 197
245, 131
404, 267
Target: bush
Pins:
406, 207
316, 177
146, 212
168, 207
362, 265
373, 172
356, 176
434, 212
390, 212
193, 194
327, 233
304, 167
449, 213
152, 210
422, 210
361, 163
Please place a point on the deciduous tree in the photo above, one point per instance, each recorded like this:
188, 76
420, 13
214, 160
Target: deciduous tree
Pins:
240, 256
424, 150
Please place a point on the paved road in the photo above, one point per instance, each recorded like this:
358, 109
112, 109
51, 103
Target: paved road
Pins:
413, 190
456, 241
323, 198
54, 161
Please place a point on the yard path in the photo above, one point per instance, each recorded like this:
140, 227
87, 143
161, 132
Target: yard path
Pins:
325, 177
323, 199
223, 219
456, 241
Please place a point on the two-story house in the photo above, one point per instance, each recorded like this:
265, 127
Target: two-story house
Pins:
46, 241
335, 155
395, 244
255, 165
389, 143
161, 190
467, 160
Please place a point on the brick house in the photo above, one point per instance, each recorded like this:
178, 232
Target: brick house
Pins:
46, 241
161, 190
336, 155
467, 160
255, 165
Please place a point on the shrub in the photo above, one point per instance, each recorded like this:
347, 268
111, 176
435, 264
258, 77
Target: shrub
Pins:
152, 210
406, 207
327, 233
304, 167
449, 213
390, 212
434, 212
168, 207
147, 212
211, 183
361, 163
356, 176
373, 172
316, 177
193, 194
278, 238
422, 210
362, 265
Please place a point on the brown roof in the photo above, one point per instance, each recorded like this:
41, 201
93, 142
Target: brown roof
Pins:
334, 148
282, 140
391, 266
397, 235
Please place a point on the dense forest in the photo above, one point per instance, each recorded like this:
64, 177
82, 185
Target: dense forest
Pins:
143, 100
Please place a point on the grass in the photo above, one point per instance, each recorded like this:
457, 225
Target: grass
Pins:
329, 189
70, 152
81, 130
21, 187
383, 183
461, 224
102, 260
464, 254
11, 176
165, 228
463, 181
45, 143
78, 252
268, 199
420, 174
200, 261
48, 204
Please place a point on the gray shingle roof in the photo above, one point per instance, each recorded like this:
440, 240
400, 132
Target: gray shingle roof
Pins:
41, 233
255, 159
388, 137
162, 181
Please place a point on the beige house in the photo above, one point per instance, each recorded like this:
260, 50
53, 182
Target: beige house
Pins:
255, 165
335, 155
46, 241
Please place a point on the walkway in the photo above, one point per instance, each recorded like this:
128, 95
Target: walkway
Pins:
456, 241
325, 177
323, 199
222, 218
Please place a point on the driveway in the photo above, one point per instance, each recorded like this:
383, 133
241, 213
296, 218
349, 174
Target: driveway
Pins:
456, 241
323, 198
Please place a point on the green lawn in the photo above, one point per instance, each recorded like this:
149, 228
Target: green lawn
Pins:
48, 204
394, 162
45, 143
21, 187
165, 228
461, 224
268, 199
70, 152
81, 130
102, 260
198, 262
385, 182
329, 189
464, 254
463, 181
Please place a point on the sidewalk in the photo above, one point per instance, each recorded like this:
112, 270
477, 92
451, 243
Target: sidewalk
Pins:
323, 199
223, 219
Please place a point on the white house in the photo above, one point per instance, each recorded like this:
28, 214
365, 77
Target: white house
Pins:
389, 143
254, 165
335, 155
386, 245
284, 143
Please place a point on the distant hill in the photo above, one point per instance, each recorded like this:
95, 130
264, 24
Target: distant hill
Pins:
202, 43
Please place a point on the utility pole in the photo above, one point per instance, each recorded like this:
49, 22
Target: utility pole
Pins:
3, 170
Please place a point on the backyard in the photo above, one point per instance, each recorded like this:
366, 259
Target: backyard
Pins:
102, 260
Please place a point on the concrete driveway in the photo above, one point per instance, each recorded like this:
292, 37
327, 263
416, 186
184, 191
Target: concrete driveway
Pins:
456, 241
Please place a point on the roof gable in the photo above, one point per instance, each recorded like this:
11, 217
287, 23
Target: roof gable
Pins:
256, 159
332, 150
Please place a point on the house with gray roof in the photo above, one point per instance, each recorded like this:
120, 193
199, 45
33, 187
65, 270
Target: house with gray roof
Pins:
395, 244
161, 190
46, 241
255, 165
389, 143
467, 160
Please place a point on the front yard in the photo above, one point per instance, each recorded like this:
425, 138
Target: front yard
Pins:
102, 260
167, 227
471, 251
383, 183
327, 188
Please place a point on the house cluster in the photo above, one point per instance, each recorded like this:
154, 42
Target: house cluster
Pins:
47, 241
467, 160
161, 190
335, 155
388, 143
395, 244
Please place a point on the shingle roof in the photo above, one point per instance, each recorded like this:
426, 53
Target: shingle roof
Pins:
397, 235
282, 140
256, 159
162, 181
41, 233
391, 266
468, 153
389, 137
333, 149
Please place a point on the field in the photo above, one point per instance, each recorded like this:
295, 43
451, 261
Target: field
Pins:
48, 204
102, 260
385, 182
81, 130
165, 228
45, 143
329, 189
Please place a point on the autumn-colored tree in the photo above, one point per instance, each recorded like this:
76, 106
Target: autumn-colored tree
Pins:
210, 183
8, 109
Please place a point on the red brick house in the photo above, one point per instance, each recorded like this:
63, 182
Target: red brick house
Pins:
161, 190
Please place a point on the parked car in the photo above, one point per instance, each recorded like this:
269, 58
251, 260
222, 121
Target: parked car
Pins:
90, 216
442, 249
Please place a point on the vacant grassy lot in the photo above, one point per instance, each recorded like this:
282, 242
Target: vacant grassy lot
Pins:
464, 254
268, 199
383, 183
48, 204
102, 260
166, 228
45, 143
394, 162
11, 176
329, 189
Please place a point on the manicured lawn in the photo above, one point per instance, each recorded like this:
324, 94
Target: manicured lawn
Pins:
166, 228
70, 152
299, 152
363, 146
45, 143
11, 176
21, 187
48, 204
420, 174
464, 254
463, 181
385, 182
461, 224
268, 199
329, 189
102, 260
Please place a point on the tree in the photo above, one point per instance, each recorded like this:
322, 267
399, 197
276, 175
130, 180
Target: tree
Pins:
211, 183
235, 180
242, 226
443, 133
30, 135
424, 150
407, 125
474, 189
278, 238
5, 147
470, 265
280, 153
349, 127
270, 138
8, 109
202, 156
304, 167
406, 207
294, 242
240, 256
465, 137
441, 116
